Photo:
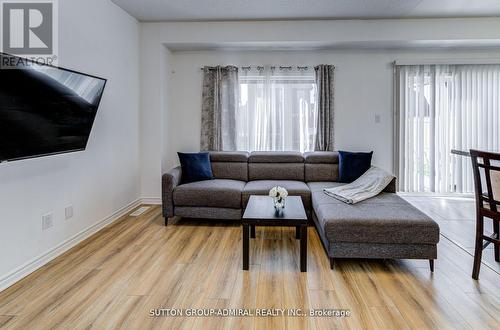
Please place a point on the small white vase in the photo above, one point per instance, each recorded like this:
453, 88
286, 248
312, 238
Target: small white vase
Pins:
279, 204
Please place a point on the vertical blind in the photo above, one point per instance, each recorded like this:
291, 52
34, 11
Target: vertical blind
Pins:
277, 109
440, 108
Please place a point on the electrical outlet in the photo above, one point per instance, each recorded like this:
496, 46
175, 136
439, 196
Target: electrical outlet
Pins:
377, 119
68, 212
47, 221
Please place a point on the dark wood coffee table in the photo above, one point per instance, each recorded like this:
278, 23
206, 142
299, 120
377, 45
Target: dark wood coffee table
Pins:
260, 212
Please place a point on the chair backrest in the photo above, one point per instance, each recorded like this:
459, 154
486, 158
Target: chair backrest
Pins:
486, 167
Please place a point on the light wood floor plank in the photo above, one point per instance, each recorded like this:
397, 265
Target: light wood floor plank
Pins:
113, 279
270, 282
5, 320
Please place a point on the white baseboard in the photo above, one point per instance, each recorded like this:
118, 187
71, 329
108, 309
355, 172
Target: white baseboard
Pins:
46, 257
151, 200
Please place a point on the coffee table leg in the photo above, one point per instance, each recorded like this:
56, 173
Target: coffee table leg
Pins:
246, 240
303, 248
252, 231
297, 232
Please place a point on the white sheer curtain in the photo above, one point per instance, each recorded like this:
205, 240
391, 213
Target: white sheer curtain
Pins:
440, 108
277, 109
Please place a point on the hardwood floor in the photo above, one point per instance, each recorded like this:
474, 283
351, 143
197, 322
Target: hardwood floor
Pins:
456, 217
114, 279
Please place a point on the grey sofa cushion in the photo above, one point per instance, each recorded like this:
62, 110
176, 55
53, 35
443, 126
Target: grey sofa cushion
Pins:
274, 171
229, 156
169, 181
286, 165
321, 166
321, 157
230, 170
231, 165
276, 157
262, 187
386, 218
383, 251
210, 193
201, 212
321, 172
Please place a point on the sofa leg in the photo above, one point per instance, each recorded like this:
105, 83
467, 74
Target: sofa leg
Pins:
166, 221
332, 263
431, 265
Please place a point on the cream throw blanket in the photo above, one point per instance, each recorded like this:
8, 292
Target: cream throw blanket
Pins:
370, 184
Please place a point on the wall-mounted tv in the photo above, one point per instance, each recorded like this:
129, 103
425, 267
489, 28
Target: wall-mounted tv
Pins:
44, 110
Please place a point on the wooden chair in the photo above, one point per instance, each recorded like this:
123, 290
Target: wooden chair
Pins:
487, 202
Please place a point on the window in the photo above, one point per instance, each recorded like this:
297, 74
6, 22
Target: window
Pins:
445, 107
277, 109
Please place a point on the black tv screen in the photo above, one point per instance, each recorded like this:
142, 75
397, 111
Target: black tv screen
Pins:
44, 110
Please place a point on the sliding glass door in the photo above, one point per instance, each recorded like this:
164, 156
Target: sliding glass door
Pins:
440, 108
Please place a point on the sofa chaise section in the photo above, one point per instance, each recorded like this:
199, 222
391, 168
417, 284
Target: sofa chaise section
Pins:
357, 241
385, 226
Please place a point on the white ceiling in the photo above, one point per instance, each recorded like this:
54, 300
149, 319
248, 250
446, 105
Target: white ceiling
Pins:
428, 45
224, 10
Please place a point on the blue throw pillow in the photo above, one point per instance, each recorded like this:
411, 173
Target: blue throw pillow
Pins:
195, 167
352, 165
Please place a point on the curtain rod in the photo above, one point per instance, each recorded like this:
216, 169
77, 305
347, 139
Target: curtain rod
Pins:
450, 61
281, 67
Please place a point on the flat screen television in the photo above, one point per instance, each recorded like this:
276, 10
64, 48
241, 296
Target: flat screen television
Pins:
44, 110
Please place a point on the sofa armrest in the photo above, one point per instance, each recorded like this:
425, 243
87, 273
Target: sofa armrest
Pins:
391, 187
169, 181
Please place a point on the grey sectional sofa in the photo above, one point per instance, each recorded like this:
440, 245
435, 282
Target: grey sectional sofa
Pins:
385, 226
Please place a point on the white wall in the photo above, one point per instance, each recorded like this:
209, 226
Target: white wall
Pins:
363, 89
96, 37
363, 83
154, 114
170, 116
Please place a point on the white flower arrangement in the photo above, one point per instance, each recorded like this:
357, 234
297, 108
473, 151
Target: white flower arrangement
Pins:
278, 192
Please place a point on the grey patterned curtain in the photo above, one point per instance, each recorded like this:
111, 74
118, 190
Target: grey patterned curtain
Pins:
219, 103
324, 82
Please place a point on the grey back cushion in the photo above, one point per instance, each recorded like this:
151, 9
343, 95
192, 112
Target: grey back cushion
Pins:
276, 166
321, 166
230, 165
